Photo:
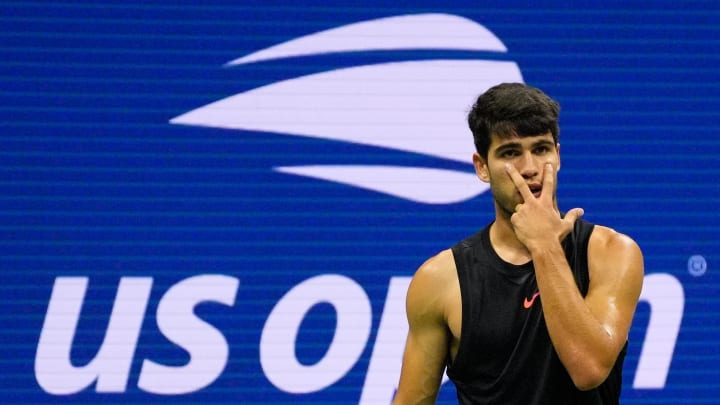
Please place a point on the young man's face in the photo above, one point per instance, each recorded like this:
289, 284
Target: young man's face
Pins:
529, 155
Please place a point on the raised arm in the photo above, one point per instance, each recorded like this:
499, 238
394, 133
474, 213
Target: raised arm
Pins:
428, 340
587, 333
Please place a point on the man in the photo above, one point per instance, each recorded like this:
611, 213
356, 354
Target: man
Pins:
536, 307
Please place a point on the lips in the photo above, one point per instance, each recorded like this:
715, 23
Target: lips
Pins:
535, 189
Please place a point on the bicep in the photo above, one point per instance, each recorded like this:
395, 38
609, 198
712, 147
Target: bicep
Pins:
426, 346
423, 364
616, 277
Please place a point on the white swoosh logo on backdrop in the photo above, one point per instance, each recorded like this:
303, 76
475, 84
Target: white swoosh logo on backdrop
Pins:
420, 31
413, 106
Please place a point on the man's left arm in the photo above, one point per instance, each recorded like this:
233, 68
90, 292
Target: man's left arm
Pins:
588, 334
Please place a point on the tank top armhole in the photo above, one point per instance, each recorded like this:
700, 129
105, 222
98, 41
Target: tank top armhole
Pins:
461, 267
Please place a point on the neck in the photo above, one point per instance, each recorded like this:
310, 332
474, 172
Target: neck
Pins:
504, 241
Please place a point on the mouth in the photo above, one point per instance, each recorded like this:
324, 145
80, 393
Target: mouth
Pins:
535, 189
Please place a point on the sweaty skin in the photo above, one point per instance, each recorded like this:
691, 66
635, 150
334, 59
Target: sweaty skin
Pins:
588, 333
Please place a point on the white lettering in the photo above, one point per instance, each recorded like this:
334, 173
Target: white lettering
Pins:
383, 372
207, 347
110, 367
666, 297
209, 350
277, 343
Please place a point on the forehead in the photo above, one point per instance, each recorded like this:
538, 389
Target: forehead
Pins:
497, 141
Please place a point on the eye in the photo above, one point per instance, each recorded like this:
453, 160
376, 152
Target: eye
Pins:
509, 153
541, 150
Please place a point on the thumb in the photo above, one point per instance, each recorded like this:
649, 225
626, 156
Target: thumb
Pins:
572, 215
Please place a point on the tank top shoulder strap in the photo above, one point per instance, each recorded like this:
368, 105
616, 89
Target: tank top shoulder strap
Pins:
576, 253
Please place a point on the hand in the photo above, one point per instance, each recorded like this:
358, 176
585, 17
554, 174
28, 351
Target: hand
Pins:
536, 221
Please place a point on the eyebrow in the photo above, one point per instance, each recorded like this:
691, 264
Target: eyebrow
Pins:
543, 142
507, 146
518, 145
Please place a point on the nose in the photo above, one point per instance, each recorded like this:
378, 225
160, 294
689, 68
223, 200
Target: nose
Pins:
527, 166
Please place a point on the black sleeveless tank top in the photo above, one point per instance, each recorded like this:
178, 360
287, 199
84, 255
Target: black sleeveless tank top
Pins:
505, 354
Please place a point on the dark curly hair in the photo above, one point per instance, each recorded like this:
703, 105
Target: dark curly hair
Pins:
512, 109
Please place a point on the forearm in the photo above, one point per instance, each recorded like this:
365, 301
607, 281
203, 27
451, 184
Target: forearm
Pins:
585, 347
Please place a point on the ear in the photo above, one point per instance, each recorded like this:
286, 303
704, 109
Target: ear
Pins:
481, 168
558, 158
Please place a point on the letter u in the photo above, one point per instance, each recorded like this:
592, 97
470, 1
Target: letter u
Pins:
111, 365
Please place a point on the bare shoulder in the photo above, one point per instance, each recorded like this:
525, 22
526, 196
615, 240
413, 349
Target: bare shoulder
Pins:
433, 285
608, 242
615, 258
439, 268
437, 273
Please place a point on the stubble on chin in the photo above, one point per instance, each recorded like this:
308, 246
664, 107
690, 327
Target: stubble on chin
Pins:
505, 207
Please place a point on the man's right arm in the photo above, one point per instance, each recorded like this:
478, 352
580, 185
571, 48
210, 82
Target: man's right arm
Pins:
426, 347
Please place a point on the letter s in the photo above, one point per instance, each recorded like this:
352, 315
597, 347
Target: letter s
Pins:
207, 347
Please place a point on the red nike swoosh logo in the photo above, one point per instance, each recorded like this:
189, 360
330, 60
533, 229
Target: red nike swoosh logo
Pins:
528, 303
